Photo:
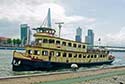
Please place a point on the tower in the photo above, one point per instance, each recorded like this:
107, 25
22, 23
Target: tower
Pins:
78, 36
90, 38
49, 18
47, 21
25, 34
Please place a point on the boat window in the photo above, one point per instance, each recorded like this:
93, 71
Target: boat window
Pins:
88, 56
64, 43
51, 53
57, 42
40, 41
80, 55
95, 56
43, 31
74, 45
103, 55
40, 31
29, 51
64, 54
45, 41
45, 53
58, 54
100, 55
53, 32
91, 56
50, 31
79, 46
36, 41
84, 56
70, 55
75, 56
36, 52
51, 41
69, 44
47, 31
83, 46
107, 52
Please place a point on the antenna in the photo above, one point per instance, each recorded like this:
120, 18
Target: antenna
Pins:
59, 25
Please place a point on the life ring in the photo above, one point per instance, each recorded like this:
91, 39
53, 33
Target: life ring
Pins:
16, 63
74, 66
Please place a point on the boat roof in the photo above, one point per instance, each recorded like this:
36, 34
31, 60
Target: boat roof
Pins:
44, 28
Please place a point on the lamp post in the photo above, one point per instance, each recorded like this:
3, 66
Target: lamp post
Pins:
60, 26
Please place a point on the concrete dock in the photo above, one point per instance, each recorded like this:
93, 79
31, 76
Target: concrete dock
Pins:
66, 77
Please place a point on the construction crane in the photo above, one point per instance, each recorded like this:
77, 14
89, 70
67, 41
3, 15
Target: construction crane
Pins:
59, 25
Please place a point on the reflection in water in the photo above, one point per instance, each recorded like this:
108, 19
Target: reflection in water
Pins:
6, 68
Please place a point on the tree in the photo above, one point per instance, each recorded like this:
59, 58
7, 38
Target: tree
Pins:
9, 41
18, 42
14, 42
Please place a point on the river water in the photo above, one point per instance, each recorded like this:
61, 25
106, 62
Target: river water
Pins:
6, 67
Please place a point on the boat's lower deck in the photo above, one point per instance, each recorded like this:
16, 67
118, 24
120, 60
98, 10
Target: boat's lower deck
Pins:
28, 65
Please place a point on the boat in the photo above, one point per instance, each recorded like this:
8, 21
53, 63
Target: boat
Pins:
50, 52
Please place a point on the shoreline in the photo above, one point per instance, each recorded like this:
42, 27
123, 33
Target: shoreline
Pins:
57, 77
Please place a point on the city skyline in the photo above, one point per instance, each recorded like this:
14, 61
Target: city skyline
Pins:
106, 18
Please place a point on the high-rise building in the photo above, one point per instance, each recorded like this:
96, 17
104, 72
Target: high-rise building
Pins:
86, 39
25, 34
3, 41
78, 36
90, 38
79, 31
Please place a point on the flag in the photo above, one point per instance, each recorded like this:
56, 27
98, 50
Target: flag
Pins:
99, 39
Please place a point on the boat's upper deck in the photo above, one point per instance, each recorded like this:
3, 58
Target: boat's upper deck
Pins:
44, 37
44, 31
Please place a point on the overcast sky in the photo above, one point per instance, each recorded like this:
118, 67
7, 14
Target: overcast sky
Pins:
105, 17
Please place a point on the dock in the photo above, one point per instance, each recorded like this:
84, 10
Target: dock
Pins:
68, 77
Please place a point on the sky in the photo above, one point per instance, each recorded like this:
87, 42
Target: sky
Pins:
105, 17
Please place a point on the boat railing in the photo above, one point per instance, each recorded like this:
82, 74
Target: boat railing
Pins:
96, 50
57, 46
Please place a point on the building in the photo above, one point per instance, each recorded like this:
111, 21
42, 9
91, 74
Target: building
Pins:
90, 38
78, 36
3, 41
25, 34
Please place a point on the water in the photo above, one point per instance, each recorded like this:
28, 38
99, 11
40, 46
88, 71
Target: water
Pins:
6, 67
120, 59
